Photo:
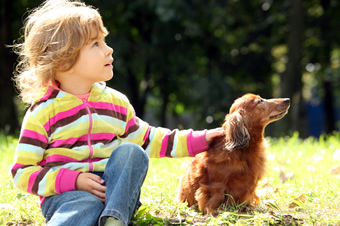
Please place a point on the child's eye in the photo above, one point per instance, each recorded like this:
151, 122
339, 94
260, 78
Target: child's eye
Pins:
95, 44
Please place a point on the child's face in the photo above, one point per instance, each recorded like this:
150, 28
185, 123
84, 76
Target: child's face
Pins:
94, 63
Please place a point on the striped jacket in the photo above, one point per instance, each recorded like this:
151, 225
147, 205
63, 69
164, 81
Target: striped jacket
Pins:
63, 135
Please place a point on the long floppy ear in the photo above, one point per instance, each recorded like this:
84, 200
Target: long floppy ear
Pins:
237, 135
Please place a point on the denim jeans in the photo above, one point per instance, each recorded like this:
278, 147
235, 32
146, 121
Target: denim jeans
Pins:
124, 175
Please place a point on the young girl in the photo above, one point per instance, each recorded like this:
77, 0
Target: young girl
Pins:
82, 149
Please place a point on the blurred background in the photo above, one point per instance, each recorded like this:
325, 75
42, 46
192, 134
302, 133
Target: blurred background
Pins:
182, 63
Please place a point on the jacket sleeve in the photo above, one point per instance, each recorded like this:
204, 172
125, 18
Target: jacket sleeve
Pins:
162, 142
29, 171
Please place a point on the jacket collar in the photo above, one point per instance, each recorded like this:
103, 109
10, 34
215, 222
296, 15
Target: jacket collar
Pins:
51, 92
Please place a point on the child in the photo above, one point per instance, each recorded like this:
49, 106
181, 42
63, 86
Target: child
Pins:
82, 149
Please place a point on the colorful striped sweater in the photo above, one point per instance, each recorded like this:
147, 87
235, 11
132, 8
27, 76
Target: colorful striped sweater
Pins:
63, 135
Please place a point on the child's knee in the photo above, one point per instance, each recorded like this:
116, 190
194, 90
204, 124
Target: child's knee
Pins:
132, 152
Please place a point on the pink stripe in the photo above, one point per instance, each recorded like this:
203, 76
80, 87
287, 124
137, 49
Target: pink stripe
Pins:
72, 140
35, 135
147, 134
100, 136
31, 181
73, 111
57, 158
93, 160
89, 135
42, 199
110, 106
63, 158
62, 115
17, 166
130, 123
47, 94
164, 145
42, 162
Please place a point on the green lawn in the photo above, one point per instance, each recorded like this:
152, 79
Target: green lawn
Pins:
301, 186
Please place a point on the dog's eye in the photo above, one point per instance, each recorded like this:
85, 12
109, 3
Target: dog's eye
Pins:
260, 101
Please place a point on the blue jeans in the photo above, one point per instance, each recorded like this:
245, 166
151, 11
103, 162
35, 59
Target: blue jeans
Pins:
124, 175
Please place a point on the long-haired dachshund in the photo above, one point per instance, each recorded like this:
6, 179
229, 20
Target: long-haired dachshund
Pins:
236, 162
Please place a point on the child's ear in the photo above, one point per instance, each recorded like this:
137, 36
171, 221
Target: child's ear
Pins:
237, 135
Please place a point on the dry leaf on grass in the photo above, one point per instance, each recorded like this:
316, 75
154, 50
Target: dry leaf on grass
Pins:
285, 219
335, 170
296, 201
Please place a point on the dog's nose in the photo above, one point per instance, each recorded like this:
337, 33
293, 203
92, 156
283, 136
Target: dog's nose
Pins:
287, 100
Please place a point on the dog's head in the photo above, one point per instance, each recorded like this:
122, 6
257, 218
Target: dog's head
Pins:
251, 113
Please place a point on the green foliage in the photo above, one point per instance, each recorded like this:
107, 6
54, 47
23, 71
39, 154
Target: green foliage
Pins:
204, 54
175, 58
184, 54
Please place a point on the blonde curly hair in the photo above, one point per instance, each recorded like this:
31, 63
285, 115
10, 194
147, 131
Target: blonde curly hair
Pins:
54, 33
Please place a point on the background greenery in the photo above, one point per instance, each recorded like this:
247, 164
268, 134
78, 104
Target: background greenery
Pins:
301, 186
182, 63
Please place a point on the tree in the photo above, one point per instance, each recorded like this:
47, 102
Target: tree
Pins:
8, 111
291, 79
327, 47
190, 54
177, 57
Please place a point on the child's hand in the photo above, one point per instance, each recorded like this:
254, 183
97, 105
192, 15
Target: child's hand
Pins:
91, 183
213, 133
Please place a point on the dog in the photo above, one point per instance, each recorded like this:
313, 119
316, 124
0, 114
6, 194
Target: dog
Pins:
234, 163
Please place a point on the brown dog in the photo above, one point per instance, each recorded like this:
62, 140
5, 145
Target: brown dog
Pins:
235, 163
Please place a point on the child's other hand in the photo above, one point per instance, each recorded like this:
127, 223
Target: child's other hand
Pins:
212, 133
91, 183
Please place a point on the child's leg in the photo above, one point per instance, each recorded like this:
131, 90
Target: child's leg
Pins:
72, 208
124, 175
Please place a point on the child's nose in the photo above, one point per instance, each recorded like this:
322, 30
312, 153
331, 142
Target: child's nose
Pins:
109, 50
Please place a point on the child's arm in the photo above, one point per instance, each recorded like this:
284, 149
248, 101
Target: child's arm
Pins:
32, 171
162, 142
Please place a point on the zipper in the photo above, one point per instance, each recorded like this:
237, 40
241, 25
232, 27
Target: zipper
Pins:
89, 133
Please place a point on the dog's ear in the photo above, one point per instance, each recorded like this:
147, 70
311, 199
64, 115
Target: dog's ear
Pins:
237, 135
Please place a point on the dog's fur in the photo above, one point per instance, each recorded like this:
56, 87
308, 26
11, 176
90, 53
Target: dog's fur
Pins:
236, 162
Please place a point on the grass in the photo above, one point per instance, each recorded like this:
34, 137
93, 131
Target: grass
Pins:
301, 186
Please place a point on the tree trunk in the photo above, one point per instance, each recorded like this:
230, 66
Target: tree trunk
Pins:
139, 95
291, 79
329, 118
164, 85
133, 84
328, 100
8, 113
